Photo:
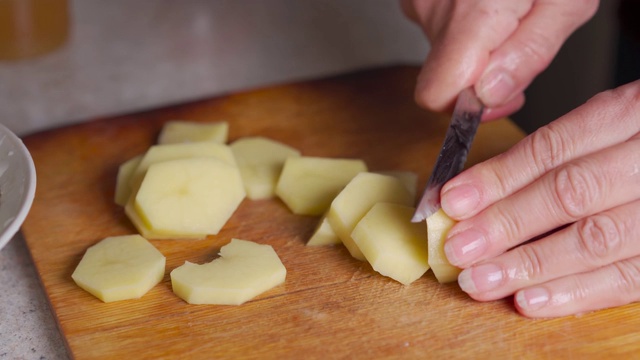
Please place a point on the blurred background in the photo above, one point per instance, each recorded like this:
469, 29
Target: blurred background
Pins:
102, 58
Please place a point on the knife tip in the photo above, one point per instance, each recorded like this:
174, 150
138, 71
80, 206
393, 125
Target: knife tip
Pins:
429, 204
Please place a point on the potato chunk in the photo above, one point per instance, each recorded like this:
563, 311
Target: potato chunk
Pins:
391, 243
160, 153
438, 225
307, 185
244, 270
357, 198
260, 161
190, 131
323, 234
120, 268
123, 180
189, 196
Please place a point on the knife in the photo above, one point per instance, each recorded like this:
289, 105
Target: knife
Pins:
453, 154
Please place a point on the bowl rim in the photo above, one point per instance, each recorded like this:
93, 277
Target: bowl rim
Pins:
27, 198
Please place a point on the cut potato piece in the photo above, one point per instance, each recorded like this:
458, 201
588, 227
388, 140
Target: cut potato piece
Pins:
160, 153
260, 161
438, 225
409, 179
307, 185
190, 131
123, 180
357, 198
323, 234
120, 268
391, 243
244, 270
189, 196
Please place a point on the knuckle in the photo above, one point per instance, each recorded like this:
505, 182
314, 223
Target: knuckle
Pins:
576, 190
627, 277
599, 239
532, 261
547, 148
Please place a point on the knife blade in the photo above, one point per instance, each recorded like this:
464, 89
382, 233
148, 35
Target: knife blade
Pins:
453, 154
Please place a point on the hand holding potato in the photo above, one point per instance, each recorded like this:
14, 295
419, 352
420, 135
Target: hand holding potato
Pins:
554, 220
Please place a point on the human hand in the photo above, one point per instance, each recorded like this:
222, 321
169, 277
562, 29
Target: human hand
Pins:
574, 186
498, 46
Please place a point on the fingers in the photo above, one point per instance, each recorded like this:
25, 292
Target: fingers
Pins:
499, 46
571, 192
613, 285
581, 132
585, 246
463, 35
530, 49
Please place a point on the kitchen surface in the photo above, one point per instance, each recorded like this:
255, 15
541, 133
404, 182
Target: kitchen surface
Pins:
124, 57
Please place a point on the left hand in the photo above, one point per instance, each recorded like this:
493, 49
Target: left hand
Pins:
574, 186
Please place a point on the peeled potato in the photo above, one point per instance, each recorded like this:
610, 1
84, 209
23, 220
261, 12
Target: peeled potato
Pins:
323, 234
244, 270
307, 184
409, 179
120, 268
357, 198
391, 243
189, 197
260, 161
189, 131
438, 225
123, 180
159, 153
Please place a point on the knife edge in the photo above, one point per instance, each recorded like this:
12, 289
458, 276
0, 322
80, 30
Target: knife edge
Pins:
453, 154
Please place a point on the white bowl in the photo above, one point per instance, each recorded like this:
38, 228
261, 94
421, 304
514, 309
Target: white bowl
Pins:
17, 184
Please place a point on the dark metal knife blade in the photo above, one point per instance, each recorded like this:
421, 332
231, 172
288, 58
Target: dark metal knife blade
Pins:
453, 154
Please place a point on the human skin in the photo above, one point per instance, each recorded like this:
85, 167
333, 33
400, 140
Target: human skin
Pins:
552, 221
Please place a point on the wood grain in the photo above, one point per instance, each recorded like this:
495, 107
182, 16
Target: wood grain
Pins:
331, 305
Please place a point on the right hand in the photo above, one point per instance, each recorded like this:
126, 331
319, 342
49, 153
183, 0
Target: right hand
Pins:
498, 46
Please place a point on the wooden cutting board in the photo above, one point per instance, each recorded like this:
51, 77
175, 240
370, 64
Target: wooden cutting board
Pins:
331, 305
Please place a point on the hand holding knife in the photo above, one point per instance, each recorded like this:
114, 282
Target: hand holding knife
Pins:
453, 155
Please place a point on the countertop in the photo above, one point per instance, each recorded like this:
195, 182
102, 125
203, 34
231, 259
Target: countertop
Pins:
125, 56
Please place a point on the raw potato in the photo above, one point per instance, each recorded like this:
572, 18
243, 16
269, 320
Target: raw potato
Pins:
123, 180
409, 179
392, 244
438, 225
357, 198
189, 131
244, 270
323, 234
120, 268
307, 185
189, 197
160, 153
260, 161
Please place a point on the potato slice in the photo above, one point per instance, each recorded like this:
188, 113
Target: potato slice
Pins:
260, 161
189, 196
244, 270
391, 243
179, 131
160, 153
120, 268
123, 180
409, 179
307, 184
323, 234
438, 225
357, 198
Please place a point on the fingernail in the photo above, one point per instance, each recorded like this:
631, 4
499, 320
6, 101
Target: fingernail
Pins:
481, 278
460, 200
496, 87
532, 299
465, 247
